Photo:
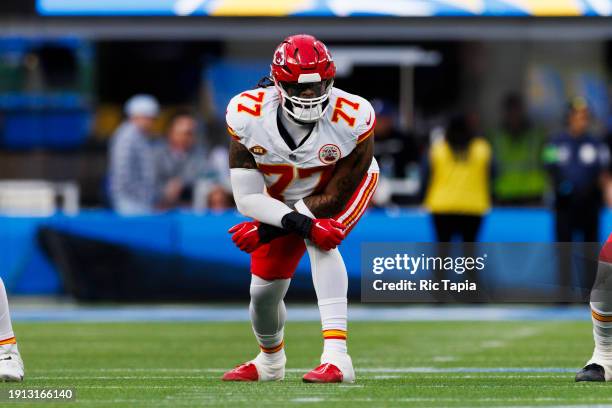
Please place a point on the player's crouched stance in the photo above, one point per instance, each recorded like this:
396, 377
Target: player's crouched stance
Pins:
599, 367
11, 365
309, 146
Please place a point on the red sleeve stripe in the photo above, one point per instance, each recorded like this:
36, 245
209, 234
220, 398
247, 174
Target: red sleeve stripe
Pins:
367, 133
233, 134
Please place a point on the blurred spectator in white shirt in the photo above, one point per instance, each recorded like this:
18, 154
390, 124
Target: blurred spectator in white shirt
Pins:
131, 158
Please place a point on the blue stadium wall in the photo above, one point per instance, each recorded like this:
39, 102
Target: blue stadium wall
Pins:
200, 246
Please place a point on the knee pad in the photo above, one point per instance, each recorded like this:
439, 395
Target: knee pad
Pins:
267, 292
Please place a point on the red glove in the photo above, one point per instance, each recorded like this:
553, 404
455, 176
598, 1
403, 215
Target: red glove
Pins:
326, 233
246, 236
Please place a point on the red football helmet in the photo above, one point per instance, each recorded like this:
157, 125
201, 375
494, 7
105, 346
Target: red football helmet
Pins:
303, 72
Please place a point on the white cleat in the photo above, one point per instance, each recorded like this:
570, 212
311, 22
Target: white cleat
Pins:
11, 364
343, 362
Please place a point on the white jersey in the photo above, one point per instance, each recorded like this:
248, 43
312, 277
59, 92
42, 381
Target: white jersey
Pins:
294, 174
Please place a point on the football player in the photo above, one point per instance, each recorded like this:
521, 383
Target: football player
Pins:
599, 367
11, 365
302, 168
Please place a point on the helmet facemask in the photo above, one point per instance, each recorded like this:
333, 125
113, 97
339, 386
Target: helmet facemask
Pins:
305, 109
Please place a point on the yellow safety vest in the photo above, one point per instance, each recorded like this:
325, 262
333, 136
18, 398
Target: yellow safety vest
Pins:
459, 185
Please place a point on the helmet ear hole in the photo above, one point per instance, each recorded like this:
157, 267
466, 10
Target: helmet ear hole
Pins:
287, 69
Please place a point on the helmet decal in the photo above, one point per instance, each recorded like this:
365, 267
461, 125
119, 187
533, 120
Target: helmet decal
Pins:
279, 55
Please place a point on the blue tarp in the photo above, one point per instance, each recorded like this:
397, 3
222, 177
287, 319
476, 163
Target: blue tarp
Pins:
26, 270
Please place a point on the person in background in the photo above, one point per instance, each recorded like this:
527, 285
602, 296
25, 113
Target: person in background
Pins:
517, 147
179, 160
457, 174
131, 158
218, 199
393, 149
577, 162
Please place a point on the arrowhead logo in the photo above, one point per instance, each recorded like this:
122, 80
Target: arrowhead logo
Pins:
329, 153
279, 55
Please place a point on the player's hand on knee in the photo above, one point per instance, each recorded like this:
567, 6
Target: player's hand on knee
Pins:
327, 233
246, 236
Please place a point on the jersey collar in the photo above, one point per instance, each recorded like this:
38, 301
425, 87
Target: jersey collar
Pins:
285, 134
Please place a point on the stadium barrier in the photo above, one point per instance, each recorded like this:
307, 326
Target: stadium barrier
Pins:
174, 256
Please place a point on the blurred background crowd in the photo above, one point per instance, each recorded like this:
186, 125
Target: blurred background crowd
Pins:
137, 126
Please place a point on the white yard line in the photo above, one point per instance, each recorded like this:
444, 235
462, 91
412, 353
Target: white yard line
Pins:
515, 335
408, 370
444, 359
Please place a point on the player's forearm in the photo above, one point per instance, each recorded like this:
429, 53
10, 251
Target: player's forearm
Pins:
344, 182
276, 217
324, 205
327, 205
262, 208
248, 187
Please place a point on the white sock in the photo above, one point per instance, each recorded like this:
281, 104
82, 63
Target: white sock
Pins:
335, 345
272, 358
602, 332
268, 315
6, 329
330, 281
601, 308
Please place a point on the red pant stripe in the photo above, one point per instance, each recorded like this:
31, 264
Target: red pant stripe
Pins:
270, 350
364, 202
10, 340
359, 198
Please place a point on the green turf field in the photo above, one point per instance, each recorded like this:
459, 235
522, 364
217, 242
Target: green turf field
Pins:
179, 364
